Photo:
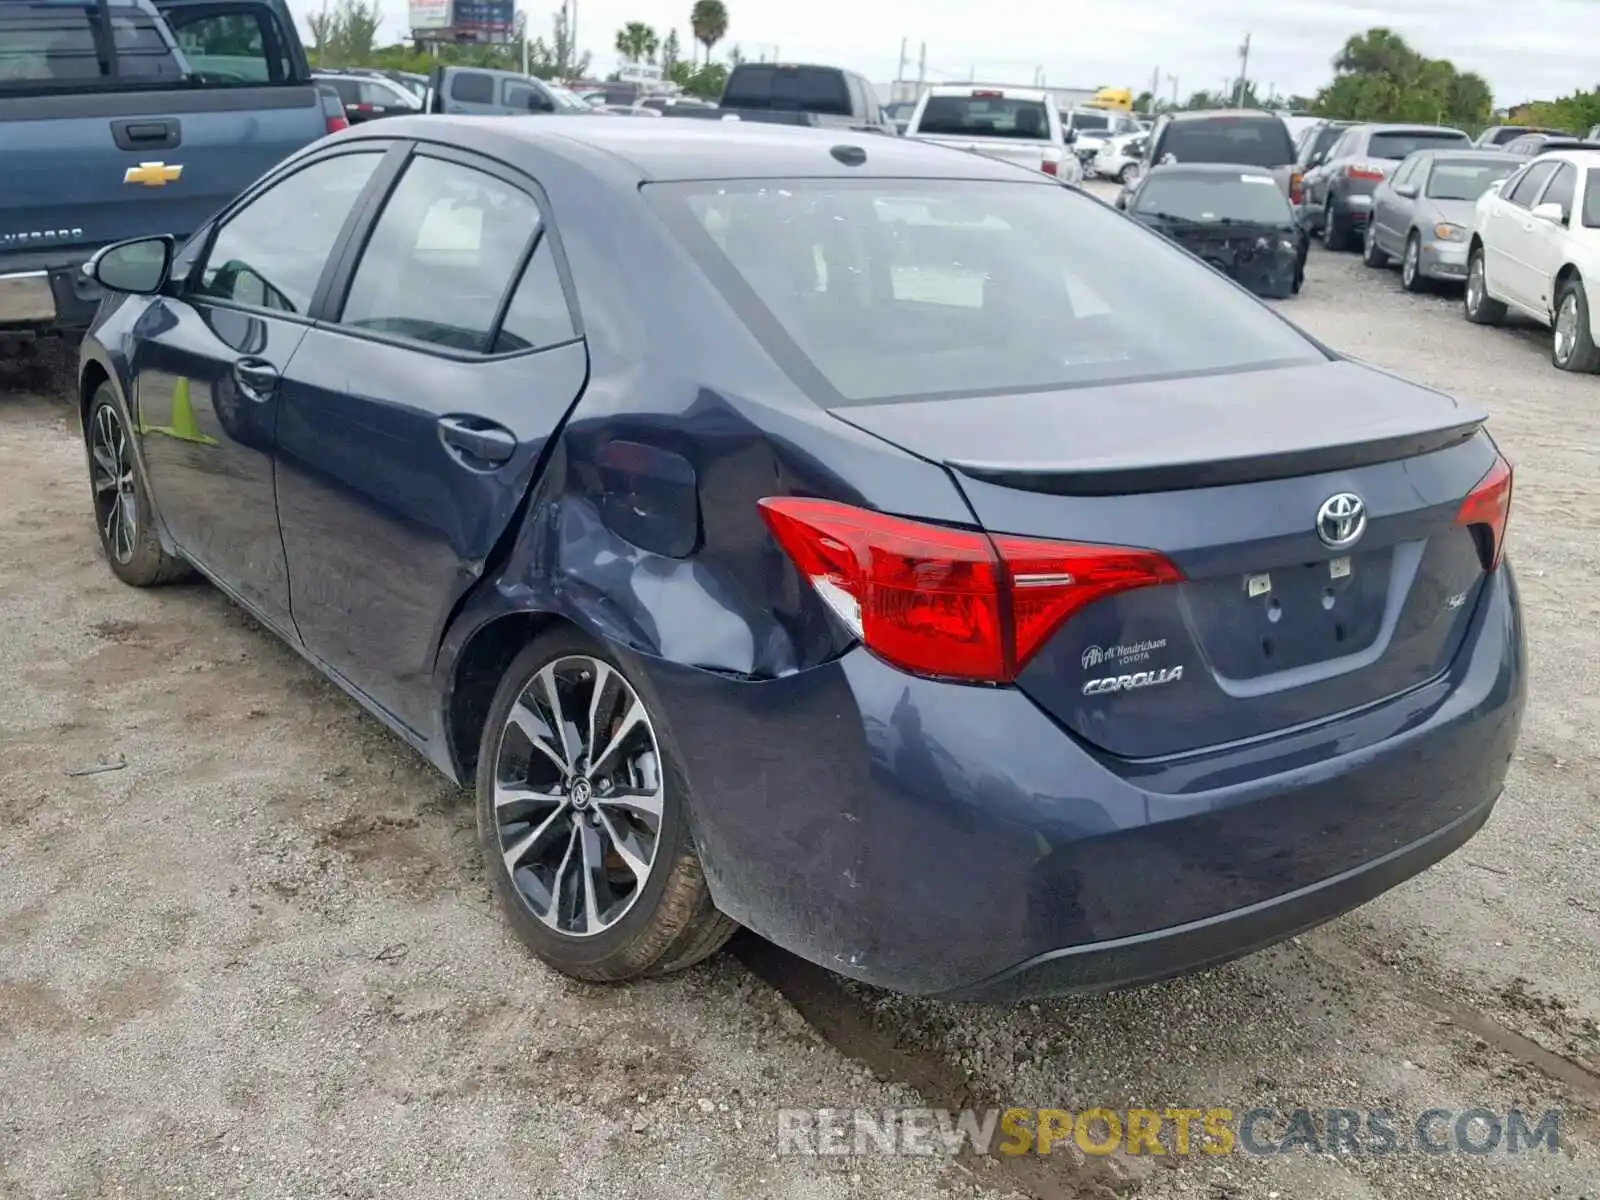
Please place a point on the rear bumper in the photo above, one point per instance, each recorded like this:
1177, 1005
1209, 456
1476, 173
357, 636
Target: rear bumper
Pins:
947, 840
1352, 209
45, 298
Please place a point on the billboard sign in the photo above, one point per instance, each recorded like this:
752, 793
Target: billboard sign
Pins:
429, 14
484, 20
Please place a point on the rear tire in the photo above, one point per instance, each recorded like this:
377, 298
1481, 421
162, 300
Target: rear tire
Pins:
1572, 346
1127, 174
1371, 255
1476, 304
123, 515
1335, 232
1411, 276
573, 892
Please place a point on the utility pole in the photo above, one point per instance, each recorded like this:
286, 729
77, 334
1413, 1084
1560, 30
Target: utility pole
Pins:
900, 71
1173, 80
922, 69
1244, 70
1155, 87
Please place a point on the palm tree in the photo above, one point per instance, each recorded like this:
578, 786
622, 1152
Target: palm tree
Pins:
637, 42
709, 20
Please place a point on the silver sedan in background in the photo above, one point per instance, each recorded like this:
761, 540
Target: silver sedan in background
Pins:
1422, 213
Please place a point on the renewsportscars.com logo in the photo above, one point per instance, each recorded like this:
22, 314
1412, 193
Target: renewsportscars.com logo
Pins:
1175, 1131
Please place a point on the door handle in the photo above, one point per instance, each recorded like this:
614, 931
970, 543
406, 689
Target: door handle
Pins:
256, 378
478, 439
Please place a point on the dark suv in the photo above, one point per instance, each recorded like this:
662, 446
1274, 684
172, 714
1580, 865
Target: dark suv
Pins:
1338, 190
1248, 137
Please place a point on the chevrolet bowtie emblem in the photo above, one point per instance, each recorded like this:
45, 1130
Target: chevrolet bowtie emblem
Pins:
153, 174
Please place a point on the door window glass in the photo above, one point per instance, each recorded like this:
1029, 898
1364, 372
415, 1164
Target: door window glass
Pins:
1561, 189
441, 256
271, 253
1528, 186
472, 87
231, 47
538, 315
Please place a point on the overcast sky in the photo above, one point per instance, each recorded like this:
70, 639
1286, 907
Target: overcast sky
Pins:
1530, 49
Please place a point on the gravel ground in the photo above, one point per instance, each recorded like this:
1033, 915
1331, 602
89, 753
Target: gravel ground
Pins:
260, 958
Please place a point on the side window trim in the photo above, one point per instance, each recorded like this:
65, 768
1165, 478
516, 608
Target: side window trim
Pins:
380, 180
331, 297
1551, 182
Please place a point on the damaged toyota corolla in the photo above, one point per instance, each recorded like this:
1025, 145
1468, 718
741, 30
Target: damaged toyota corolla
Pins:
885, 549
1235, 218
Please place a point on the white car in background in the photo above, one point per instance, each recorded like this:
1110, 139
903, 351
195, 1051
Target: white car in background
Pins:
1119, 157
1019, 125
1535, 250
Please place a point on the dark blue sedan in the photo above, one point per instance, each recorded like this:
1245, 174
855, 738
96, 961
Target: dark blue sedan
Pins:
871, 544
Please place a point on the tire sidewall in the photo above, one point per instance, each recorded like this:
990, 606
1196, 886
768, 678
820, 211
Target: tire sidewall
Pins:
674, 840
148, 556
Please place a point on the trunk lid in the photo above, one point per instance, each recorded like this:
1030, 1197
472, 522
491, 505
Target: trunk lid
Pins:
1229, 477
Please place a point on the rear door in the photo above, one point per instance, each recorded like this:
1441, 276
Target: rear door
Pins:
415, 415
1547, 241
1510, 241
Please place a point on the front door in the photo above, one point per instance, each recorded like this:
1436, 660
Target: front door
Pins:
1547, 244
206, 370
411, 426
1510, 236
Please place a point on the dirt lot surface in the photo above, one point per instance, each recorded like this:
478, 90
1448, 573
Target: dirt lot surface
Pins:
259, 958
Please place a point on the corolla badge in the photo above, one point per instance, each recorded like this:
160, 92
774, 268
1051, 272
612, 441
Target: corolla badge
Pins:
1128, 683
1341, 520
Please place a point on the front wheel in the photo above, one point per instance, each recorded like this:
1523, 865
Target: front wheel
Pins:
1371, 254
123, 514
1411, 276
1476, 304
583, 818
1127, 175
1572, 347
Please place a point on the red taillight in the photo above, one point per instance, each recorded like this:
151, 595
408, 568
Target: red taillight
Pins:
988, 95
335, 124
361, 108
1363, 171
1050, 166
1297, 193
955, 603
1489, 505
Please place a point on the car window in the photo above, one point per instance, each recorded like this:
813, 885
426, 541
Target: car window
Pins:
1088, 122
441, 256
53, 44
1406, 173
232, 47
1563, 186
1591, 198
472, 87
538, 315
1533, 179
1215, 196
1393, 145
894, 289
787, 89
382, 94
1249, 141
254, 262
985, 114
1464, 179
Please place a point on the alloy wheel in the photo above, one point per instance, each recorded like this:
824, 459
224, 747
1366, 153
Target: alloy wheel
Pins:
1474, 295
116, 502
578, 795
1408, 268
1566, 330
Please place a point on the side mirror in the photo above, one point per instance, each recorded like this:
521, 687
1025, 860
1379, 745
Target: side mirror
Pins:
1071, 136
1316, 160
1494, 188
139, 267
1408, 190
539, 102
1551, 212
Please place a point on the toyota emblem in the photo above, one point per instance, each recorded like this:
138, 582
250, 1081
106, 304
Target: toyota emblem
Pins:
1341, 520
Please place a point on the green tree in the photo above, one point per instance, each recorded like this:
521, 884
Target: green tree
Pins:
709, 21
671, 52
1577, 113
1378, 77
637, 42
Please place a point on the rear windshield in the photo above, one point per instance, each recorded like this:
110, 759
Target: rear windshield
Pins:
47, 44
1249, 141
984, 116
1216, 197
1090, 121
878, 290
1398, 145
788, 89
1462, 179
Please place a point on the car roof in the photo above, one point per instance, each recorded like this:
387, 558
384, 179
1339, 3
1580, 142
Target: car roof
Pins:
973, 89
1578, 158
1183, 168
1406, 127
1469, 154
1232, 114
681, 149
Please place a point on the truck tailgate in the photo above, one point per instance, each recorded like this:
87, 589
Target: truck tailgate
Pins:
85, 169
1024, 152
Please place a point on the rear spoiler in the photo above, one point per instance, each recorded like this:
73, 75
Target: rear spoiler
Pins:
1173, 477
